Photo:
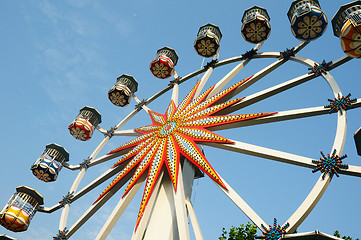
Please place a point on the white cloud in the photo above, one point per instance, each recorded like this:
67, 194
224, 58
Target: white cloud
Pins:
68, 52
49, 10
123, 26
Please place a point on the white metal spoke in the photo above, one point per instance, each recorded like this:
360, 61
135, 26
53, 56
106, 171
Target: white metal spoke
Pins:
242, 205
283, 86
263, 152
259, 75
102, 144
100, 147
351, 170
221, 63
226, 79
194, 221
96, 206
279, 156
267, 93
129, 133
203, 81
277, 117
107, 157
119, 210
101, 130
106, 175
282, 116
49, 209
126, 119
262, 73
97, 161
102, 178
175, 93
229, 76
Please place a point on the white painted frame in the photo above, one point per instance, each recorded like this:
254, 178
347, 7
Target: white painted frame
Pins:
181, 206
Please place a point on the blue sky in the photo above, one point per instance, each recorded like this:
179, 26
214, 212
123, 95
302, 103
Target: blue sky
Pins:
59, 56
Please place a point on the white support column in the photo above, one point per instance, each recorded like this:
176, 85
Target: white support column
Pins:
180, 207
188, 178
162, 221
144, 221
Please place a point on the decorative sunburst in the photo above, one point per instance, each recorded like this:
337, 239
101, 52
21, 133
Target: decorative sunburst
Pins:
273, 233
344, 102
330, 164
176, 133
323, 67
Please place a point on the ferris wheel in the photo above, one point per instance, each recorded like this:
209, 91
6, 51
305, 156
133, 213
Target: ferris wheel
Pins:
167, 155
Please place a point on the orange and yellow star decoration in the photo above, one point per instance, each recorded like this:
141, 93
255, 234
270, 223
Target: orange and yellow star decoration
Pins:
176, 133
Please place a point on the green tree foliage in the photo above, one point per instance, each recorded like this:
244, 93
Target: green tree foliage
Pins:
337, 234
244, 232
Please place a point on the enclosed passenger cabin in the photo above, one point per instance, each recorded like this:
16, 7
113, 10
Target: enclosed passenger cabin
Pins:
20, 209
83, 126
256, 25
164, 62
208, 40
308, 21
50, 162
347, 26
120, 93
